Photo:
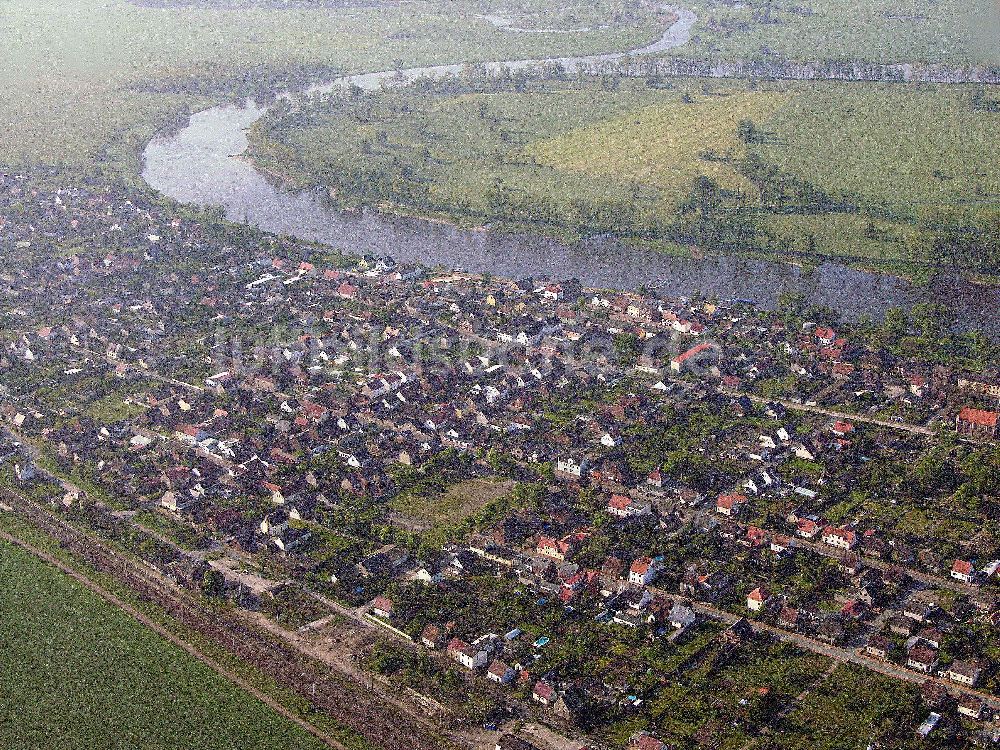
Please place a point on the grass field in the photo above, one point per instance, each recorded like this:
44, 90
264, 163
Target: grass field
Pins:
852, 708
902, 145
80, 674
453, 505
659, 145
949, 31
91, 100
891, 164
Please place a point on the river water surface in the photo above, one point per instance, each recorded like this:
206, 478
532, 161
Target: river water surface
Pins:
197, 165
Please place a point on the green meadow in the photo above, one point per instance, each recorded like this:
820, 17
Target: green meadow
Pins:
956, 32
872, 173
92, 100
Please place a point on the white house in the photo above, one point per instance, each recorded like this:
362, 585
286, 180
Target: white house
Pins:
644, 571
500, 672
466, 655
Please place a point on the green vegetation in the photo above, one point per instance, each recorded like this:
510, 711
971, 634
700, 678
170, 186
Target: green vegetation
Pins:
113, 408
891, 176
951, 31
80, 674
453, 505
92, 100
852, 708
729, 696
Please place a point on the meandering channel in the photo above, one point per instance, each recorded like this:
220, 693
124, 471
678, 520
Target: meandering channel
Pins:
196, 165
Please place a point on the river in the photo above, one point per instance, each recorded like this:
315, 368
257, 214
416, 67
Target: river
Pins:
197, 165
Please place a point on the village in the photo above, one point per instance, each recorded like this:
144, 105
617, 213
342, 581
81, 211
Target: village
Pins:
558, 517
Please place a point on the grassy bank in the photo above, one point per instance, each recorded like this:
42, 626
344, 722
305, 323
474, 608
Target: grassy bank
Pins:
957, 32
877, 175
92, 100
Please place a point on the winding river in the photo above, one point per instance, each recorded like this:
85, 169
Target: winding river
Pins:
197, 165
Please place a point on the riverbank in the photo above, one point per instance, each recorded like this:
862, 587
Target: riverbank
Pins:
756, 170
195, 166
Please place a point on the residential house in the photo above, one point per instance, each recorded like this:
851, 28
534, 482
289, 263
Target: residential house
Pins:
964, 571
730, 505
758, 599
623, 506
469, 656
922, 658
693, 357
544, 693
963, 672
432, 636
973, 707
559, 549
879, 646
500, 672
919, 611
382, 607
644, 571
840, 538
681, 616
807, 528
570, 469
977, 423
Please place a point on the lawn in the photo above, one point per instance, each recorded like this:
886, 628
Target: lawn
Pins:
113, 409
80, 674
91, 100
874, 174
906, 147
660, 145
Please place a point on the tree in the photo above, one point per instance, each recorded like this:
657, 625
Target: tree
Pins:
627, 347
747, 131
894, 326
213, 583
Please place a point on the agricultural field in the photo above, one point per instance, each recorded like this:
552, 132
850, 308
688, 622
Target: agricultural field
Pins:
81, 674
91, 101
956, 32
868, 173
